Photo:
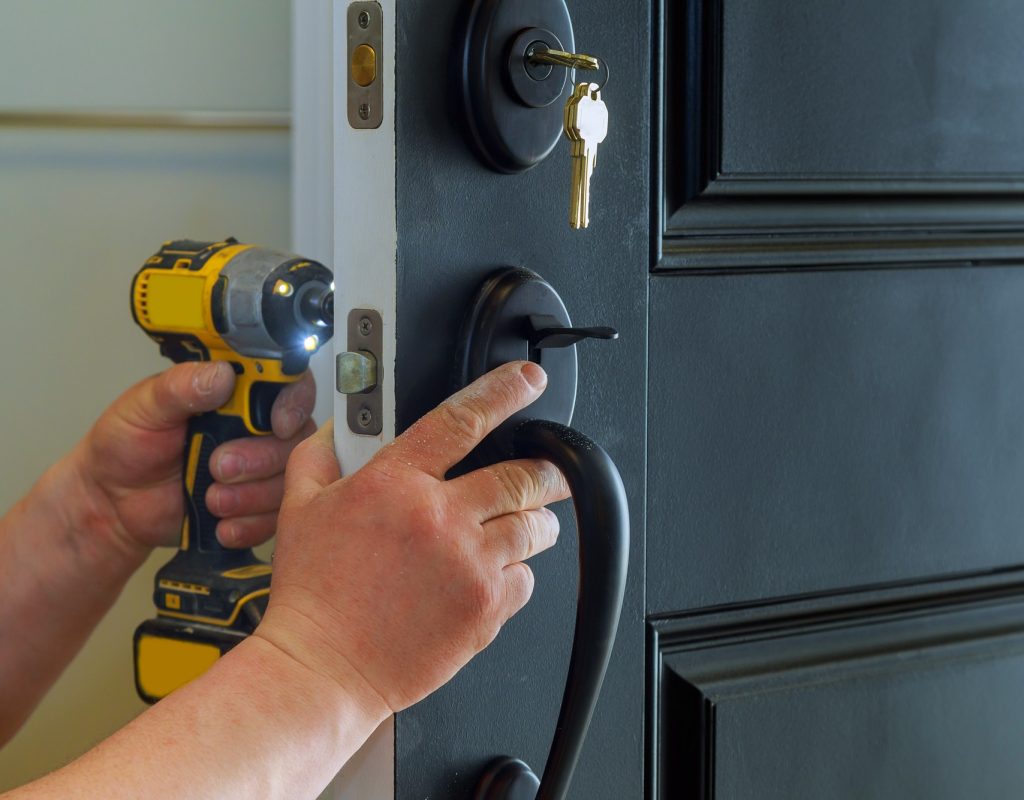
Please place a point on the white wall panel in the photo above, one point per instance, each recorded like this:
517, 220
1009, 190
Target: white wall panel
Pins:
79, 212
207, 54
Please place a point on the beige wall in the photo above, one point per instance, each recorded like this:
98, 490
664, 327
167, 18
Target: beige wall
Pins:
79, 212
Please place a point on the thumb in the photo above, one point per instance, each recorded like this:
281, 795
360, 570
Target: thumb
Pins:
166, 400
312, 467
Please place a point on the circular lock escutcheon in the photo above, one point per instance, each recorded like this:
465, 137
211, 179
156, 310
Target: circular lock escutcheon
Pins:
510, 106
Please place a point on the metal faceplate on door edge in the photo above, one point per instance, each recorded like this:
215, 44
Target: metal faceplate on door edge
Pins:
365, 407
365, 50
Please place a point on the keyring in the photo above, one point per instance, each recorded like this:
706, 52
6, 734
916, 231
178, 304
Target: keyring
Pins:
607, 74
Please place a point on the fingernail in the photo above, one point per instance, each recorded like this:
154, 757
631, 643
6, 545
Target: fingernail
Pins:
227, 534
207, 375
227, 501
534, 375
230, 466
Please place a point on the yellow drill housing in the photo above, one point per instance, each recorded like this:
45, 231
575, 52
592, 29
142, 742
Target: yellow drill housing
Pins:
265, 312
185, 298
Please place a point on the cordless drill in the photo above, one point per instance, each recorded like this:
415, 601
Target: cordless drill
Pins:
264, 312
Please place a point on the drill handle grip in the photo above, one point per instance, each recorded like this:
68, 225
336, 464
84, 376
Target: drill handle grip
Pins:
199, 531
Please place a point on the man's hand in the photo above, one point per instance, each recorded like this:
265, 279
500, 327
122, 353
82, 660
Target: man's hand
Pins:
385, 584
130, 463
390, 580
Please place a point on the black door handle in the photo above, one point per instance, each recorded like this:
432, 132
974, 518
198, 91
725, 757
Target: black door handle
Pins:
516, 314
602, 524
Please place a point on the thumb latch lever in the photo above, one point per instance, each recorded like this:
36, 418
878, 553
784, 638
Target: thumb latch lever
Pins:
547, 331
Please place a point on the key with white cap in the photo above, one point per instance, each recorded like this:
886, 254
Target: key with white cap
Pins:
586, 126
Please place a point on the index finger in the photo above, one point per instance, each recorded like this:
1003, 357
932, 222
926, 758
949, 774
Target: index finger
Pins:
443, 437
293, 406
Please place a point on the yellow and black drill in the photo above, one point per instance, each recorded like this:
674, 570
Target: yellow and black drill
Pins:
265, 312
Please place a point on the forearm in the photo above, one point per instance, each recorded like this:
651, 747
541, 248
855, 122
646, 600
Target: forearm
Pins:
258, 724
60, 571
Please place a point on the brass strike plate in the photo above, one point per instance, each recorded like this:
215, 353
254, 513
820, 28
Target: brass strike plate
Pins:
365, 411
365, 65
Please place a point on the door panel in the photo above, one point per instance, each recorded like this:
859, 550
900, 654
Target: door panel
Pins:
820, 133
830, 429
883, 695
919, 88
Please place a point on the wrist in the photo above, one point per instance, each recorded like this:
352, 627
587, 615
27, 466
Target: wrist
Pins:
348, 712
70, 503
312, 648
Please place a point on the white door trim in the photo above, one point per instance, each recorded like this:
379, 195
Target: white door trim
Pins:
344, 210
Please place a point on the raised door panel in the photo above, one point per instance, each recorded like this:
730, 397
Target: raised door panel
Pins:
896, 697
827, 132
810, 431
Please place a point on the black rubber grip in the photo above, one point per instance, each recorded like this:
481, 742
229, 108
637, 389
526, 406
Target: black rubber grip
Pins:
205, 432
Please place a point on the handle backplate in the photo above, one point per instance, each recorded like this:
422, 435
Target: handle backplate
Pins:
498, 329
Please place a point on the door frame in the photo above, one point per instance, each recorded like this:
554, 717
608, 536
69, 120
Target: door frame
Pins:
343, 210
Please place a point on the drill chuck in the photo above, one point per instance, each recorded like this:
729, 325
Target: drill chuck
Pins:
317, 307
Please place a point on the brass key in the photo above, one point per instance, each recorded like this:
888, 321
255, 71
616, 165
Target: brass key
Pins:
560, 58
586, 126
572, 134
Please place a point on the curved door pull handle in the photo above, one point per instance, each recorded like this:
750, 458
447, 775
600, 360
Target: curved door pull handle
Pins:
602, 523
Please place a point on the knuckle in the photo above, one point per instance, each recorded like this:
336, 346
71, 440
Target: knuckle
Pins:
178, 381
537, 534
485, 598
380, 471
518, 484
275, 455
516, 386
428, 515
551, 478
465, 419
523, 582
525, 532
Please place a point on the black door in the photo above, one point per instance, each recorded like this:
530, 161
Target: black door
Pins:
806, 225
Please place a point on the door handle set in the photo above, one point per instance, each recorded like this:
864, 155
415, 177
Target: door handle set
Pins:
518, 315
